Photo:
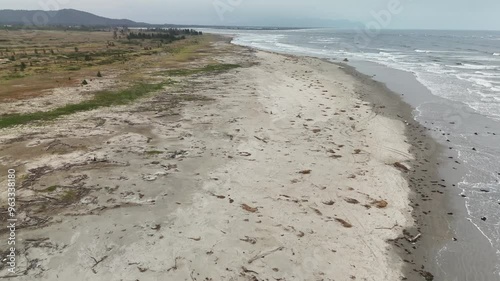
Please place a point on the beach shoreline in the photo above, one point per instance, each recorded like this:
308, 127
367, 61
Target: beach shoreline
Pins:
429, 208
286, 167
468, 251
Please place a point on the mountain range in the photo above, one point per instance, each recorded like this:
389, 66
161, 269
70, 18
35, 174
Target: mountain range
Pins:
71, 17
66, 17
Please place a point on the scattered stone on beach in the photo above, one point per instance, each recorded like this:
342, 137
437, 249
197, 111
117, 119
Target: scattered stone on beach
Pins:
483, 218
344, 223
351, 201
329, 203
250, 240
218, 196
149, 177
305, 172
318, 212
248, 208
427, 275
346, 59
402, 167
245, 154
380, 204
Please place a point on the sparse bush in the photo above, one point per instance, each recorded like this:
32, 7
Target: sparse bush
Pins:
23, 66
99, 74
51, 188
100, 99
84, 82
12, 58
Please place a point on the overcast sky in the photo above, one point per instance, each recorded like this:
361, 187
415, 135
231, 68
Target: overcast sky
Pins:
418, 14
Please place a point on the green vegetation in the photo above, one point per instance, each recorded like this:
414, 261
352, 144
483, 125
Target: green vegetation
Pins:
208, 68
51, 188
101, 99
15, 75
69, 196
73, 68
154, 152
189, 98
165, 35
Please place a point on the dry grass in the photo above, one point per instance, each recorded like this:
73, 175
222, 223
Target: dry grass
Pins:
100, 99
55, 59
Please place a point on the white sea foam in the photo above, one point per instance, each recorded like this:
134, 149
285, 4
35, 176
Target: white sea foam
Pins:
476, 67
487, 74
325, 40
445, 80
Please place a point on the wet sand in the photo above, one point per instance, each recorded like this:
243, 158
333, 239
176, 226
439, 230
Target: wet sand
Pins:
453, 248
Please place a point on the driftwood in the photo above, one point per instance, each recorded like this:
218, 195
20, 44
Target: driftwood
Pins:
414, 239
262, 140
265, 254
96, 262
246, 270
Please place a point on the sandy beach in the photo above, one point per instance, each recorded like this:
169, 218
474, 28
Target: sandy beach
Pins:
286, 168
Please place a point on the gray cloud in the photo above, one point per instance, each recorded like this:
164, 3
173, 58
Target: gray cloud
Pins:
426, 14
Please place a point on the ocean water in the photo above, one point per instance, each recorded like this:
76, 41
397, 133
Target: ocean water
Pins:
462, 67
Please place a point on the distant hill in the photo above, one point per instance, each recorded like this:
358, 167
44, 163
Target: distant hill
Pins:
66, 17
71, 17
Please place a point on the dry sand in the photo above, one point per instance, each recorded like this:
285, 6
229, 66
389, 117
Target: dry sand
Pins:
285, 175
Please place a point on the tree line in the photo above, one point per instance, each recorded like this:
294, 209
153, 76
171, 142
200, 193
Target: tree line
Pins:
170, 34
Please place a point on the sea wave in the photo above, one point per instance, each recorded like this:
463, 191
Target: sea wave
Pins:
475, 66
